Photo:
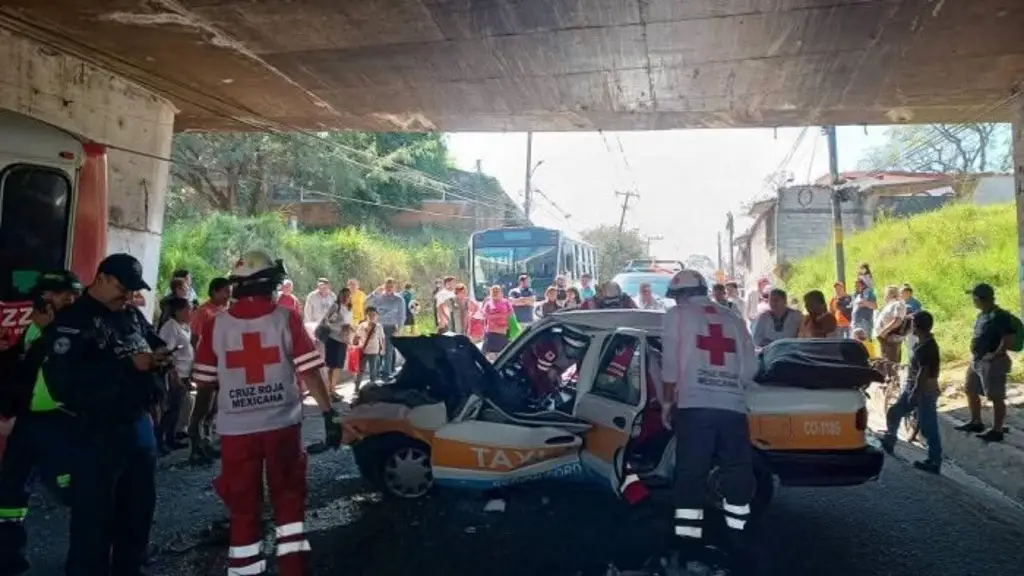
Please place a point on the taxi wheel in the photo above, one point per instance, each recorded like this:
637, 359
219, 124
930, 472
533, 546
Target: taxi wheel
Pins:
764, 489
397, 465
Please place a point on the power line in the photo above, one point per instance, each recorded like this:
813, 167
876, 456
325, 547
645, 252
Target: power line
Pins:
934, 139
814, 150
266, 125
341, 198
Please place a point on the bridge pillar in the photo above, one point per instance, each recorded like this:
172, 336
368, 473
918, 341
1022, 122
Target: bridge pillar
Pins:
99, 106
1018, 174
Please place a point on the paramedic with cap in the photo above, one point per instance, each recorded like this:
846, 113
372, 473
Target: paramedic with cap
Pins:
253, 352
708, 361
105, 364
39, 441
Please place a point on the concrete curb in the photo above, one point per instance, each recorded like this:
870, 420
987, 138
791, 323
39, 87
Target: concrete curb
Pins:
1000, 465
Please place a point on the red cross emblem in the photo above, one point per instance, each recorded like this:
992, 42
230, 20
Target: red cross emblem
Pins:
253, 358
716, 344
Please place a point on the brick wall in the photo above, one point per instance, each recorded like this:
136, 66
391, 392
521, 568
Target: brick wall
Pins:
314, 214
449, 214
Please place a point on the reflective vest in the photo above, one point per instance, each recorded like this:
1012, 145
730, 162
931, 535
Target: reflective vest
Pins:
256, 372
41, 399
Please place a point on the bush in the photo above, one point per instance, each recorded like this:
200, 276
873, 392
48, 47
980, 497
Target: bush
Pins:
209, 247
940, 254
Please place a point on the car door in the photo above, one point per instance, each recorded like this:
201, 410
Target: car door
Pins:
613, 403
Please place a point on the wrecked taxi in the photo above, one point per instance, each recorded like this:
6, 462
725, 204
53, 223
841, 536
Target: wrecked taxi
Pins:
574, 399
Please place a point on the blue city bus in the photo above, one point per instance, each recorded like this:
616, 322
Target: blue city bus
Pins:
499, 256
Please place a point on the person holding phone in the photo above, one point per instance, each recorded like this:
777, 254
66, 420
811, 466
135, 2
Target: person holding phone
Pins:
176, 332
104, 363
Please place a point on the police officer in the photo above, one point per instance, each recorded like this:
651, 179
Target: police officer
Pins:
103, 364
40, 436
708, 361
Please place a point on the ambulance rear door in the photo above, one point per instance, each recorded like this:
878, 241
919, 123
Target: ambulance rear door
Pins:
38, 167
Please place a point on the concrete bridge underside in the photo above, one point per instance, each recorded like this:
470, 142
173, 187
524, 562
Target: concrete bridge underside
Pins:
457, 65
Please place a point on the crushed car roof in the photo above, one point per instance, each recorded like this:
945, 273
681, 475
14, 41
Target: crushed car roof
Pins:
647, 320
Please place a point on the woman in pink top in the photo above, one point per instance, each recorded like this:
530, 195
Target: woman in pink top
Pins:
496, 311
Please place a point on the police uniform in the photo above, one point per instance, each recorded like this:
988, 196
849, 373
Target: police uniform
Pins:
90, 369
709, 355
39, 440
253, 353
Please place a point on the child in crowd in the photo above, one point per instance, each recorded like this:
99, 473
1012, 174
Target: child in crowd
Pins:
370, 341
861, 335
176, 333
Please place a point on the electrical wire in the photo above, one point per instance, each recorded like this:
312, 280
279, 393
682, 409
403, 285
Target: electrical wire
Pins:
780, 170
923, 143
268, 125
338, 197
814, 150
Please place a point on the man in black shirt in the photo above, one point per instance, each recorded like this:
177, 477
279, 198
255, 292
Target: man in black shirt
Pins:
104, 363
920, 392
990, 364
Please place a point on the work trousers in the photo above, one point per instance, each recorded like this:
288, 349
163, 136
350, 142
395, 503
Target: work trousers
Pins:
705, 438
199, 424
387, 367
37, 447
112, 498
240, 486
926, 405
172, 413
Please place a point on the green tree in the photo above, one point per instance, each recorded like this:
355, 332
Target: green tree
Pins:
942, 148
614, 249
245, 173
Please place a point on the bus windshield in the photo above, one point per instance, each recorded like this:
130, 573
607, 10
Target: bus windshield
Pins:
502, 265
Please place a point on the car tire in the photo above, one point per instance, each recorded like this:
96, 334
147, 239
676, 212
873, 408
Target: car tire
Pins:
396, 465
764, 490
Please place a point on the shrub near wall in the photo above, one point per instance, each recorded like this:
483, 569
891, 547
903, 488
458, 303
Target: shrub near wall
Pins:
209, 247
941, 254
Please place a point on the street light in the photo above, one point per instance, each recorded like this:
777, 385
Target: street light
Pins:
535, 166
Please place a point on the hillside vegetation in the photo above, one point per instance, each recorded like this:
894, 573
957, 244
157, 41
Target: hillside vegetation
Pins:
941, 254
208, 247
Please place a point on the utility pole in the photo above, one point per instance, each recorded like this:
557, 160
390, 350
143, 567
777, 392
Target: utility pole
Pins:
528, 189
627, 196
652, 239
719, 267
732, 249
837, 203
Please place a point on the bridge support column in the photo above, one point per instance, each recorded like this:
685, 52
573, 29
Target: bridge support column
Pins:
99, 106
1018, 174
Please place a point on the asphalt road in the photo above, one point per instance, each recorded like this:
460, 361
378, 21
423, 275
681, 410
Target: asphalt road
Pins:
907, 523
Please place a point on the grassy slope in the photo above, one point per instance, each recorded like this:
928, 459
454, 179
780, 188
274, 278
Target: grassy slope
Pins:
940, 254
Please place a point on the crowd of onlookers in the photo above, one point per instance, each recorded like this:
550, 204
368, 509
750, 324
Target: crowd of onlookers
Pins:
892, 328
355, 330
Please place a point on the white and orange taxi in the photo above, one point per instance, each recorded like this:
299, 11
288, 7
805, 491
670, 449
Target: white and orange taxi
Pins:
574, 399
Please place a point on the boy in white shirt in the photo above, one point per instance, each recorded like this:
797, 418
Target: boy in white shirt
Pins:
176, 333
370, 340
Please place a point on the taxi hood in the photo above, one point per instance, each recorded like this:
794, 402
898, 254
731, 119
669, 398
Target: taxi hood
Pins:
448, 367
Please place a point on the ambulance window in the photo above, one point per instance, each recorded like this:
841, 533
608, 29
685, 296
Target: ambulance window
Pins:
35, 210
618, 375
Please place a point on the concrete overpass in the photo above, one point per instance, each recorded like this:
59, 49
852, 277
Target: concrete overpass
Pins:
129, 72
548, 64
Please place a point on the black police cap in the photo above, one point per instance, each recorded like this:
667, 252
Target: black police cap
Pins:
126, 269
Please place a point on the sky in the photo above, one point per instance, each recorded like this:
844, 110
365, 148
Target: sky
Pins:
687, 179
